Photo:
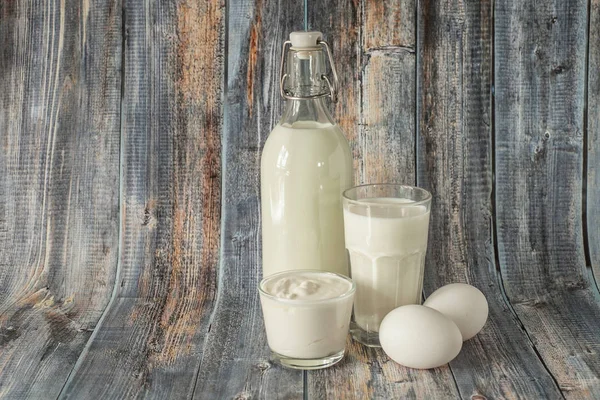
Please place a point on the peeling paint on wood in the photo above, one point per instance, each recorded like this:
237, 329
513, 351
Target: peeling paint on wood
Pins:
150, 343
483, 103
539, 157
593, 141
387, 138
59, 163
382, 134
235, 362
455, 164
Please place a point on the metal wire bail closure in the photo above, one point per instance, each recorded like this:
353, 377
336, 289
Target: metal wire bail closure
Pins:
333, 87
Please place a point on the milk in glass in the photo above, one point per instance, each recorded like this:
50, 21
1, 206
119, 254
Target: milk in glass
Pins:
387, 247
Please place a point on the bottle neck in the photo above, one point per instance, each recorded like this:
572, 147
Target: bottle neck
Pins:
306, 110
305, 71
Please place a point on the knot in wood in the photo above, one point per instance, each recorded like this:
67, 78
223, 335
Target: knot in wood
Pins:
263, 365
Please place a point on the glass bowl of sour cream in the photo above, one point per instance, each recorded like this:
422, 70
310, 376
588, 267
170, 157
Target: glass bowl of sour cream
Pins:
307, 316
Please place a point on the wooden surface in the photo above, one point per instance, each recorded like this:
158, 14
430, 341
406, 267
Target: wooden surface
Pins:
235, 363
60, 89
151, 341
591, 140
384, 105
131, 134
540, 101
455, 164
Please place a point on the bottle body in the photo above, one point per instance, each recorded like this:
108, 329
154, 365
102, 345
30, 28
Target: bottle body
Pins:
305, 167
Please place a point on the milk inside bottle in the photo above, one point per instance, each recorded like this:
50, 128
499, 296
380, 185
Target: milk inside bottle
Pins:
306, 164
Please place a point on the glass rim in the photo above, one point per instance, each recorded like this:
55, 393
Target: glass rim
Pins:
398, 205
344, 295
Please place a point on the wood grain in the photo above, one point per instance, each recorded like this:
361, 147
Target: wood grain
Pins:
381, 131
540, 86
388, 25
236, 359
367, 373
339, 23
455, 164
59, 122
127, 127
150, 342
387, 133
593, 140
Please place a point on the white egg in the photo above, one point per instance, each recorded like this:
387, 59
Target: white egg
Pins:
464, 304
419, 337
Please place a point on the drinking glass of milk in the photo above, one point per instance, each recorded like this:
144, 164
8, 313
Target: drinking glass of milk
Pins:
386, 227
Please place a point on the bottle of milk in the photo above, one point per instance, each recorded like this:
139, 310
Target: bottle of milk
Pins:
306, 165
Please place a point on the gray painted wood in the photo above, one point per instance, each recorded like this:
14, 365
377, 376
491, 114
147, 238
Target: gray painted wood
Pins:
539, 130
150, 342
184, 322
387, 90
367, 373
376, 63
386, 140
236, 359
593, 140
455, 164
59, 134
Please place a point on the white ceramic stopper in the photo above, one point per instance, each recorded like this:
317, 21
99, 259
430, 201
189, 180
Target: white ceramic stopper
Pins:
301, 39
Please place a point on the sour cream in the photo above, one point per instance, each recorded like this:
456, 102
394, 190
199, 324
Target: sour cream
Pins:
307, 313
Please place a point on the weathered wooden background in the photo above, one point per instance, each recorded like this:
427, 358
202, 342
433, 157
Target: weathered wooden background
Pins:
130, 136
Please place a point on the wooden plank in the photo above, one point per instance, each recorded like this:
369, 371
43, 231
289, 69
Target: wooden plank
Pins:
540, 87
376, 63
149, 344
455, 164
339, 23
59, 122
593, 140
386, 139
235, 359
367, 373
388, 25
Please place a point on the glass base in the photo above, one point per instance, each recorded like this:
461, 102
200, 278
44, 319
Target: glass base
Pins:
369, 339
307, 363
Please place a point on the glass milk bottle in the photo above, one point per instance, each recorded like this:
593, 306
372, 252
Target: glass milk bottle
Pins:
306, 165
